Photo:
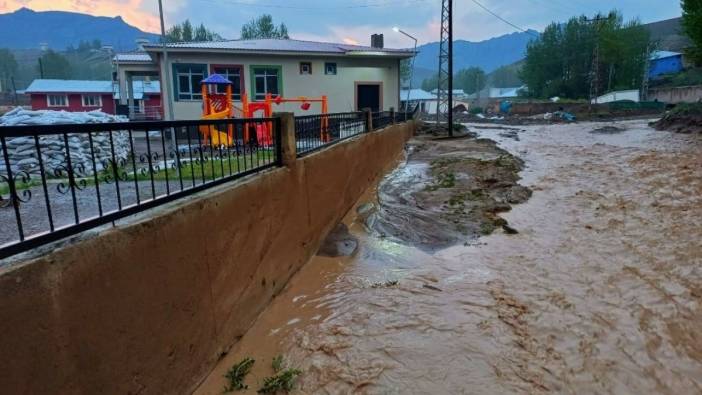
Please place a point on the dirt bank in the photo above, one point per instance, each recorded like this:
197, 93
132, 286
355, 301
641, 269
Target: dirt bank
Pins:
449, 191
684, 118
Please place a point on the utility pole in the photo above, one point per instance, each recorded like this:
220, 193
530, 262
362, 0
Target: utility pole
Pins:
41, 69
477, 89
647, 71
444, 98
14, 89
409, 91
595, 68
167, 83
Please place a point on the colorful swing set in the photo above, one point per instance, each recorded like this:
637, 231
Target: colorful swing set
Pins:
220, 106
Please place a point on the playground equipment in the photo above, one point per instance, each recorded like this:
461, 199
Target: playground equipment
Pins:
325, 136
217, 106
220, 106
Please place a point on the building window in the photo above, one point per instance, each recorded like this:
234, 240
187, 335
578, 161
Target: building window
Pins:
266, 79
233, 74
92, 101
305, 68
187, 80
330, 68
57, 100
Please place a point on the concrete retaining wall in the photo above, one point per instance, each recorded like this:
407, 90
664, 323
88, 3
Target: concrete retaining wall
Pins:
681, 94
149, 307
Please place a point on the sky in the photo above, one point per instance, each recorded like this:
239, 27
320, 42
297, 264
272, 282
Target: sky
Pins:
353, 21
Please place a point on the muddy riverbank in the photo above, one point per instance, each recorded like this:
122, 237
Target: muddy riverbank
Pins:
449, 191
599, 292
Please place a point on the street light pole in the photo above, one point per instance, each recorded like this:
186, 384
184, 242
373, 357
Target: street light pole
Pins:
414, 56
166, 83
166, 71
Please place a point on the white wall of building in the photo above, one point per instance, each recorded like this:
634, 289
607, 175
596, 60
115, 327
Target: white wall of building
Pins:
339, 88
632, 95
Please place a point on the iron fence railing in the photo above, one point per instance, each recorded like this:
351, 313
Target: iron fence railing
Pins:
404, 116
59, 180
313, 132
382, 119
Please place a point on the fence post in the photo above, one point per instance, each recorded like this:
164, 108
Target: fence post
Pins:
368, 113
287, 137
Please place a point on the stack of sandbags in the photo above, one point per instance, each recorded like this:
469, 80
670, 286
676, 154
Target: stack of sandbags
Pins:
24, 155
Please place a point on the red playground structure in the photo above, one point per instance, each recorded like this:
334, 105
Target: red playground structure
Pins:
221, 106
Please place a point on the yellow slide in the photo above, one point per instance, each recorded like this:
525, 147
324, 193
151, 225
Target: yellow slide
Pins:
216, 136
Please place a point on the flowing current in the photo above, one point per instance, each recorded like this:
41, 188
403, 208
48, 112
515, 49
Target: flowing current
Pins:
599, 292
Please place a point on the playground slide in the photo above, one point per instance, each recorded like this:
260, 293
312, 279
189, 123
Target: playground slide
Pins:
217, 137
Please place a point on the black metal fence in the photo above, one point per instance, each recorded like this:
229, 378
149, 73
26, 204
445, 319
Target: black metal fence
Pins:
382, 119
313, 132
59, 180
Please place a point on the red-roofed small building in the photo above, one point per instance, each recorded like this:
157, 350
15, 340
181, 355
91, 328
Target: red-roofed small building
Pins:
79, 96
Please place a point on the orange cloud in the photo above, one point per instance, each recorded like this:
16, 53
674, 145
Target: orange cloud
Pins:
132, 11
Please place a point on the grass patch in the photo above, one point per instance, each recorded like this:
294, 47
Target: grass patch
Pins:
687, 109
283, 381
209, 169
5, 188
236, 374
443, 180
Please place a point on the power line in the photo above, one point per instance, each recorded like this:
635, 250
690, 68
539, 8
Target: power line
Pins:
318, 8
479, 4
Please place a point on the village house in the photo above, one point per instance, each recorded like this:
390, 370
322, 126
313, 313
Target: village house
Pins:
427, 102
353, 77
665, 62
78, 95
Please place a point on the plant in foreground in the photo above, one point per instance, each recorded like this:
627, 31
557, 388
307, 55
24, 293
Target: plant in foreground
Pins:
278, 363
284, 381
236, 374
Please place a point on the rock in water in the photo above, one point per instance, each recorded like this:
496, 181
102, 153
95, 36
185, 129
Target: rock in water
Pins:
339, 242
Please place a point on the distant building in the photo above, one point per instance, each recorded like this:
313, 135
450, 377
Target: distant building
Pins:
665, 62
633, 95
427, 101
353, 77
78, 95
457, 93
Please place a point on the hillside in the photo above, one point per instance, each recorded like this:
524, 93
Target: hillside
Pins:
668, 35
61, 29
488, 55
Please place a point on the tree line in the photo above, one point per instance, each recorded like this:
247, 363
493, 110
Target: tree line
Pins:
603, 51
474, 79
583, 55
90, 61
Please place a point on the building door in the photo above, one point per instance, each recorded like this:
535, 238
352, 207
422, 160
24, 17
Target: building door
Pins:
368, 96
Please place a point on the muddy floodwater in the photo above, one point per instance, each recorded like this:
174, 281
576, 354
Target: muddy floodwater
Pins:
598, 292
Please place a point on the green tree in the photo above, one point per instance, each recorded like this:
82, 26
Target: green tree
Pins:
405, 72
560, 62
505, 77
185, 32
54, 65
8, 69
692, 24
263, 27
431, 83
470, 80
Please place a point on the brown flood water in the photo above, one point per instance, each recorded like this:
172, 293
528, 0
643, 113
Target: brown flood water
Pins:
598, 293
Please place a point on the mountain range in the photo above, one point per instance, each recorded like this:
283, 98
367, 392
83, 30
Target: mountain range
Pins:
61, 29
